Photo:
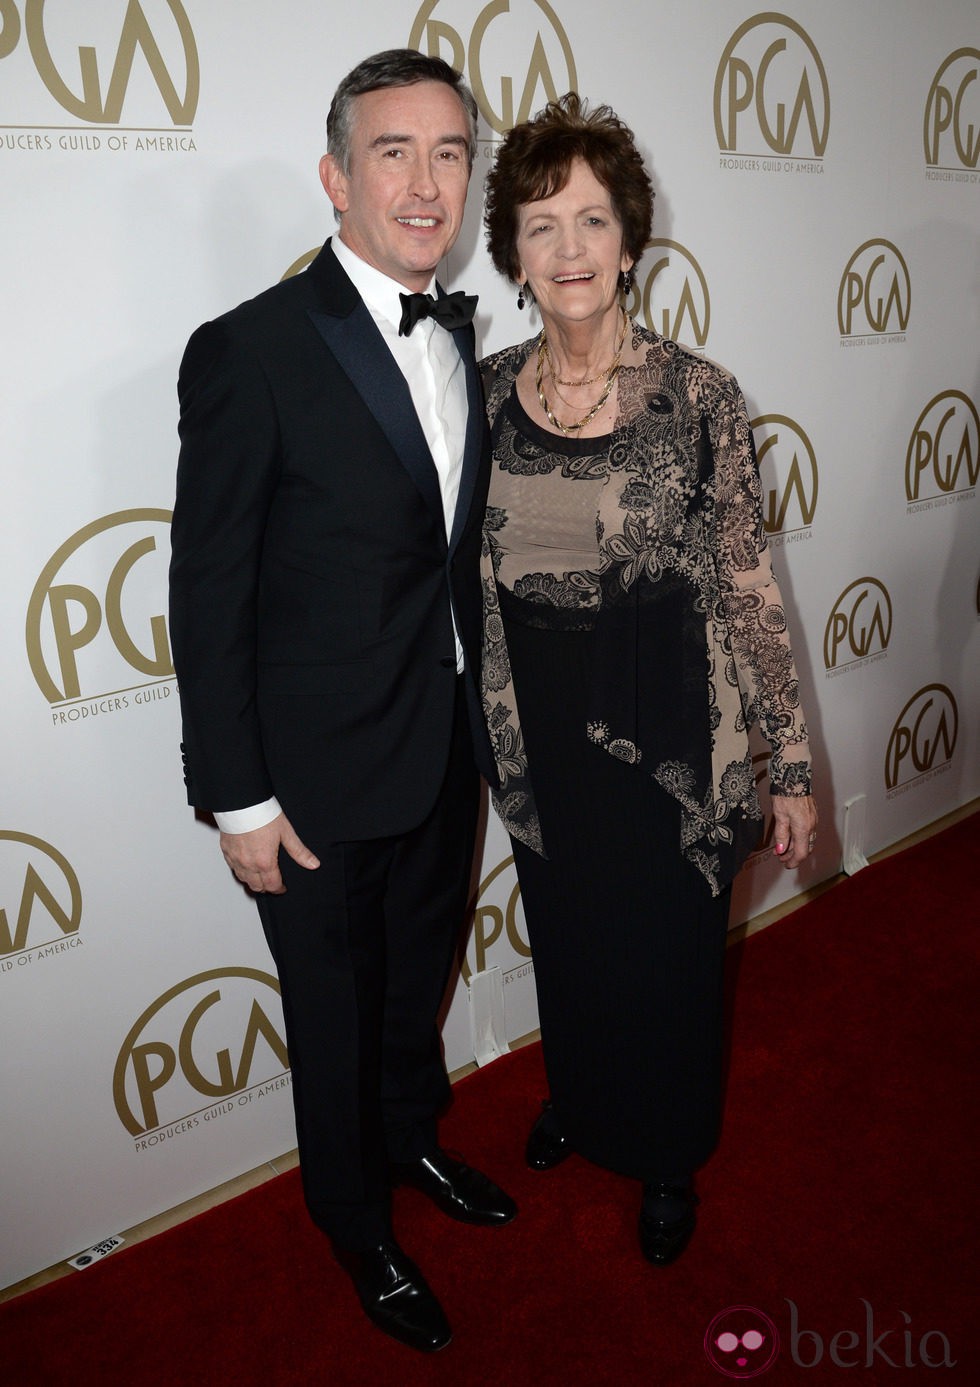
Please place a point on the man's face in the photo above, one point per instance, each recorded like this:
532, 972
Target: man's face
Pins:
402, 202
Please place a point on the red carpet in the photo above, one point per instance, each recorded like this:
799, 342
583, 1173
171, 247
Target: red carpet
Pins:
842, 1186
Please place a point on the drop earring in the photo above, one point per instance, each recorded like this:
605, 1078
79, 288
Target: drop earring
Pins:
627, 282
520, 297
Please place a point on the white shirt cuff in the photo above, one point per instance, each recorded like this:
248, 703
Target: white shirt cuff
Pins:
244, 820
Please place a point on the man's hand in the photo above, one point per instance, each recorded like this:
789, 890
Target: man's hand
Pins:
794, 828
254, 856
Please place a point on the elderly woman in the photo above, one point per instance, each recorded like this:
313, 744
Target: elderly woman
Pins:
634, 631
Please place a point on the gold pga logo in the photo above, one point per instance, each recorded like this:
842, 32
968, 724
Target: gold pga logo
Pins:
951, 127
300, 263
212, 1038
875, 293
859, 625
771, 85
924, 737
102, 582
512, 44
73, 47
943, 455
495, 920
674, 298
786, 453
40, 898
760, 768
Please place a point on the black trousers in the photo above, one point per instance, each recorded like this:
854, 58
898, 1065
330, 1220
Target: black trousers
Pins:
363, 947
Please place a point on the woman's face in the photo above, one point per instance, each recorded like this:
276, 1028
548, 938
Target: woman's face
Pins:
570, 248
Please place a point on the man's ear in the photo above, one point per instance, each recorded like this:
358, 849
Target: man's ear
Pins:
334, 182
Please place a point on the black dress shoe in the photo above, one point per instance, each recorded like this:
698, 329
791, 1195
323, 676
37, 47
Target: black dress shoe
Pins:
664, 1239
396, 1297
458, 1190
546, 1147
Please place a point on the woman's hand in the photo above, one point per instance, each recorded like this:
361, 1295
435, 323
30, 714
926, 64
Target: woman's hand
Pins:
794, 828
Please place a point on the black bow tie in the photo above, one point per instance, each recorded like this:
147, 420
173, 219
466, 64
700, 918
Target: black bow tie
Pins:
451, 310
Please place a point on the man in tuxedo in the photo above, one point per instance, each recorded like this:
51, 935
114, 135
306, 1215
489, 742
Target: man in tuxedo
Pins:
325, 619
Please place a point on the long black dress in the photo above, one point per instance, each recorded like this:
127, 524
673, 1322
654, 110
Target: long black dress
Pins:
602, 701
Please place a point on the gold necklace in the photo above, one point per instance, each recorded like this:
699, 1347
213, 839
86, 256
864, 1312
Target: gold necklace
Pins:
611, 375
559, 394
589, 380
587, 418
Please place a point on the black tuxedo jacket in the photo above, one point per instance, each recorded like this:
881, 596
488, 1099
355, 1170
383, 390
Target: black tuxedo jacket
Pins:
312, 576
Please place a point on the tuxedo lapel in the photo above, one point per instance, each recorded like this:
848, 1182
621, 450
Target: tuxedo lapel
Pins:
358, 347
475, 429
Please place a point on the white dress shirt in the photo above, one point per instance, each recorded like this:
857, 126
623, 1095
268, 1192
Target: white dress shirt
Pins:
431, 365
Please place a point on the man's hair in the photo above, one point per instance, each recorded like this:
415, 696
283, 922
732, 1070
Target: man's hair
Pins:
535, 159
396, 67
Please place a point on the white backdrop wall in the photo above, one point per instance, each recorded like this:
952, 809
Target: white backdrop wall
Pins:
817, 230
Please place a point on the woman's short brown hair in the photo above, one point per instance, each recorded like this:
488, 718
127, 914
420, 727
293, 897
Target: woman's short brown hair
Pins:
535, 159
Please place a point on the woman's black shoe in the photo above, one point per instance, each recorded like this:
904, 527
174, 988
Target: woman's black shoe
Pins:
664, 1239
546, 1147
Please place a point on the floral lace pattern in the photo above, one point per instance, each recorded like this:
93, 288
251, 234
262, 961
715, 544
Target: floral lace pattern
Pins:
656, 530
